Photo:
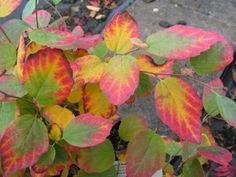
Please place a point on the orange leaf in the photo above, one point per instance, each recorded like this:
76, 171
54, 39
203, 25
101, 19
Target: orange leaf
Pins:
119, 32
179, 106
96, 102
32, 48
58, 115
146, 64
120, 79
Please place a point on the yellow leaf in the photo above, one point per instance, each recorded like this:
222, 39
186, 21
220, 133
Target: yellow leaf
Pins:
75, 95
96, 102
55, 132
58, 115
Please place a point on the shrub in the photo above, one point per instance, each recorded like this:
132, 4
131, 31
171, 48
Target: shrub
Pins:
60, 91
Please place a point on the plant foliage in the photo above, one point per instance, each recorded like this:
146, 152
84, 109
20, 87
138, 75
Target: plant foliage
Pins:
60, 90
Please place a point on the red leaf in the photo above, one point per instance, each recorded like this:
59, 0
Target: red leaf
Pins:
44, 18
217, 154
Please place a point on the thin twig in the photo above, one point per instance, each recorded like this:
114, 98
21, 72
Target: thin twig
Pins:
186, 76
5, 34
16, 97
52, 6
36, 8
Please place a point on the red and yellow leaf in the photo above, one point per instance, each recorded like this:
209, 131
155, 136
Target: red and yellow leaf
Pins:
44, 18
214, 59
87, 130
217, 154
91, 69
120, 79
23, 142
179, 106
119, 32
209, 96
21, 58
96, 103
58, 115
180, 42
147, 65
8, 6
48, 76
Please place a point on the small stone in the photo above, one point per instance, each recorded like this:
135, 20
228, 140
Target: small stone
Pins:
165, 24
155, 10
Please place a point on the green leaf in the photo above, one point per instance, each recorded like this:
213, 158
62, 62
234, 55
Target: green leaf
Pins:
227, 109
22, 144
214, 59
131, 125
100, 50
61, 161
7, 55
193, 168
29, 8
145, 154
144, 85
45, 161
10, 84
25, 107
10, 29
96, 159
7, 114
210, 92
108, 173
56, 1
87, 130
